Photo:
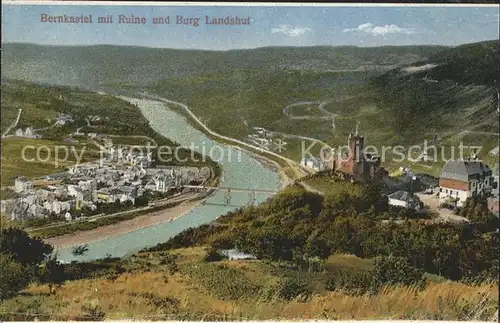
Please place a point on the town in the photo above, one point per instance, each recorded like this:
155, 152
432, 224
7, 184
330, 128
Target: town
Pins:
123, 178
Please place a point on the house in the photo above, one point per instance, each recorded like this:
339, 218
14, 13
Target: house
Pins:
4, 204
128, 190
17, 211
122, 197
163, 182
36, 210
22, 184
312, 163
104, 194
405, 199
461, 179
56, 176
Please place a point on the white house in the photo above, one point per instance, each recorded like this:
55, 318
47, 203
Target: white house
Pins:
22, 184
163, 182
404, 199
312, 163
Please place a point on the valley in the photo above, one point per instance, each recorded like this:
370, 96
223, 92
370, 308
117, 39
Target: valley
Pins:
318, 244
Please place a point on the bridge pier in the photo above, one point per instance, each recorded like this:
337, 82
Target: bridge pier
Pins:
227, 197
252, 197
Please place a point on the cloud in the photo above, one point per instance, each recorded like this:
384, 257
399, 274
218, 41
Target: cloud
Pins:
290, 31
383, 31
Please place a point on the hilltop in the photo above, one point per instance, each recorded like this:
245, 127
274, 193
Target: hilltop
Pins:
100, 65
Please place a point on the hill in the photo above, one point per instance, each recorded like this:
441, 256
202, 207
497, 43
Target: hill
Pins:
179, 285
92, 66
315, 257
453, 90
447, 99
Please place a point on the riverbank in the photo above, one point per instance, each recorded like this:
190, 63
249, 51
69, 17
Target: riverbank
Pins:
120, 228
287, 169
285, 180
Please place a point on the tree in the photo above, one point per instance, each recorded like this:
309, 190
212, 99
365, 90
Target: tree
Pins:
141, 201
14, 276
23, 248
80, 250
392, 270
52, 273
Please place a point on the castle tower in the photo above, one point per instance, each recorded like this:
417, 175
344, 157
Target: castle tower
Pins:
356, 145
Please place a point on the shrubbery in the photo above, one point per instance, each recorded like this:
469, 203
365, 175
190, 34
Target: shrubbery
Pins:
297, 226
292, 288
386, 271
13, 277
224, 282
213, 254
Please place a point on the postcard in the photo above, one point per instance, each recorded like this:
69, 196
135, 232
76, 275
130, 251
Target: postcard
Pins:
225, 161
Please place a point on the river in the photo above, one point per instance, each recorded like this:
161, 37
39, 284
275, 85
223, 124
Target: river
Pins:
240, 170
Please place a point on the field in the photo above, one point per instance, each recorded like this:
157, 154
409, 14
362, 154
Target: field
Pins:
149, 288
41, 157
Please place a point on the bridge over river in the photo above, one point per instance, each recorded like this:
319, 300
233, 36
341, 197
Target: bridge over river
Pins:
228, 191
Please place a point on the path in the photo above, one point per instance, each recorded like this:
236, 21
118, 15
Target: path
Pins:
14, 124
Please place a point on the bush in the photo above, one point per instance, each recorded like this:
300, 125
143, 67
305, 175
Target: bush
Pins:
188, 238
213, 255
82, 270
52, 273
292, 288
14, 276
91, 312
352, 283
224, 282
28, 308
387, 271
392, 270
169, 261
166, 305
23, 248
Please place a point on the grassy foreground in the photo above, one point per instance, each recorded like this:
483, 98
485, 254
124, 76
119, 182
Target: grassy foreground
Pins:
148, 287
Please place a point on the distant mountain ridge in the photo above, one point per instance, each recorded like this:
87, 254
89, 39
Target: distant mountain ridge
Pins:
106, 64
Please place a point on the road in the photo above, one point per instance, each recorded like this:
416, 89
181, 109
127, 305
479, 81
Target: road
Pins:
444, 214
292, 136
320, 105
14, 124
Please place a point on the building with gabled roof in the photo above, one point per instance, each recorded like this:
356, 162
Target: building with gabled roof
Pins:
405, 199
461, 179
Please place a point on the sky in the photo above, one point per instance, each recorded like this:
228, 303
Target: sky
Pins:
269, 26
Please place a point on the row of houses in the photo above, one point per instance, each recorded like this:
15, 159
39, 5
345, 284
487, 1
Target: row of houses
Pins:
92, 184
